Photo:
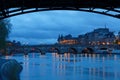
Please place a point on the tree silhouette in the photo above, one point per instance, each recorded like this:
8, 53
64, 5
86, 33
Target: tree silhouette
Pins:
5, 28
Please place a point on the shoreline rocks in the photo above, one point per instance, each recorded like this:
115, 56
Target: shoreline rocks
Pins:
10, 69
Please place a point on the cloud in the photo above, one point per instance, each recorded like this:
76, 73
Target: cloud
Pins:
46, 26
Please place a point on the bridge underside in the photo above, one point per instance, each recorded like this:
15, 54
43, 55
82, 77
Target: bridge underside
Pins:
10, 8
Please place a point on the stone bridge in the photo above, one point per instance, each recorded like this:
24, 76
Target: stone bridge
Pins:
76, 49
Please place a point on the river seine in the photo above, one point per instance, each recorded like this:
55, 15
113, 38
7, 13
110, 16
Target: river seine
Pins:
52, 66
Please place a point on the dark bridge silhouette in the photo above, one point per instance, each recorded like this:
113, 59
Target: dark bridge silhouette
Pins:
10, 8
57, 48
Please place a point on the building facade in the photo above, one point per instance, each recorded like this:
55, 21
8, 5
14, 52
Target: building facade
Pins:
68, 39
100, 36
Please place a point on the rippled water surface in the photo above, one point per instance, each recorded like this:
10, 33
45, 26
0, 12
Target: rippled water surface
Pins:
52, 66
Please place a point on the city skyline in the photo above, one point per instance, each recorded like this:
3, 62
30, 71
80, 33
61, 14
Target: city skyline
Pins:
44, 27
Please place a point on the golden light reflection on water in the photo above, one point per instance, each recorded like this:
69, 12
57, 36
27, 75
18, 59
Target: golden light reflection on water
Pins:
98, 62
69, 66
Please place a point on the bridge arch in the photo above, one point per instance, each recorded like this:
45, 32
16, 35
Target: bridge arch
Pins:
9, 8
87, 50
72, 50
102, 11
37, 50
57, 50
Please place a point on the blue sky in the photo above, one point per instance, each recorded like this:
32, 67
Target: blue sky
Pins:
44, 27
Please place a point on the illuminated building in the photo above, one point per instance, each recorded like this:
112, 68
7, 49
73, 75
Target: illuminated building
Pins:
100, 36
118, 39
68, 39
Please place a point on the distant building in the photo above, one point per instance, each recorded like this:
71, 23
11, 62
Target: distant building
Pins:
119, 35
68, 39
100, 36
13, 43
118, 38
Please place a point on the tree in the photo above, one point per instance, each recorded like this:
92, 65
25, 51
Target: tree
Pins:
5, 28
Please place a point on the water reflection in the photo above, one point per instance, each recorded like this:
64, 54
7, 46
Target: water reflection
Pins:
92, 65
69, 66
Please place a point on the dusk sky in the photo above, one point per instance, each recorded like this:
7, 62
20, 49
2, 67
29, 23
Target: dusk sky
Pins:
44, 27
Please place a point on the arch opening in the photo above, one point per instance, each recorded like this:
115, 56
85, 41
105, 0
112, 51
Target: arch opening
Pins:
56, 50
37, 50
88, 50
72, 50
